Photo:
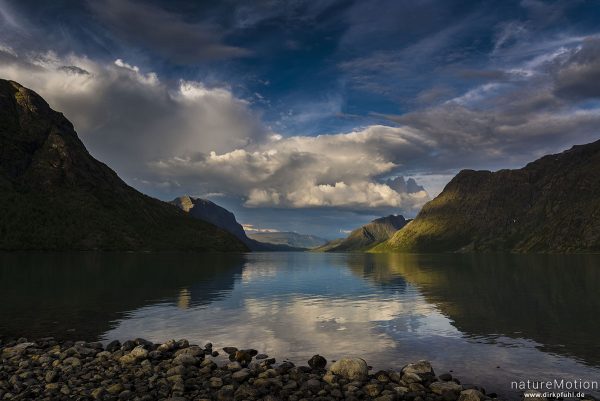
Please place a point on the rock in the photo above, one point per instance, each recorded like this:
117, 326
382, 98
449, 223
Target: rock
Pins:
216, 382
421, 368
317, 362
98, 393
382, 376
128, 346
230, 350
471, 395
329, 378
51, 376
193, 350
445, 377
127, 359
167, 346
115, 389
395, 376
261, 356
144, 343
225, 393
175, 378
139, 352
416, 387
350, 369
411, 377
72, 361
387, 397
245, 392
103, 354
178, 370
243, 357
81, 370
313, 385
233, 366
85, 351
185, 359
449, 390
241, 375
372, 390
18, 349
401, 391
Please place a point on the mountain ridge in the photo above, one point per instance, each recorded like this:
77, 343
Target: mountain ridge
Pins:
288, 238
367, 236
207, 210
550, 205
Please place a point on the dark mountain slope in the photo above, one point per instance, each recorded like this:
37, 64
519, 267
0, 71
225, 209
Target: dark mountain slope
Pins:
550, 205
54, 195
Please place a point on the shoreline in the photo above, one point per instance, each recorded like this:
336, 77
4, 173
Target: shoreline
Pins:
139, 370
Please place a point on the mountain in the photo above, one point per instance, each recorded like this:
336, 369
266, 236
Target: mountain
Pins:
367, 236
288, 238
206, 210
401, 186
55, 196
209, 211
550, 205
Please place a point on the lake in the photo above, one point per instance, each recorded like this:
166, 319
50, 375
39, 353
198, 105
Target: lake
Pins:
490, 319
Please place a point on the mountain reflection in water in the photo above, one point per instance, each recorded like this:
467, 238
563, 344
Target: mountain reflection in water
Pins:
489, 318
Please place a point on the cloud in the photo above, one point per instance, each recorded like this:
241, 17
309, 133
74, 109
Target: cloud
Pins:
434, 94
249, 228
127, 117
169, 34
521, 112
578, 76
340, 170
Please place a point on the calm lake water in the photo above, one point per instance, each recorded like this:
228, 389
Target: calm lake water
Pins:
488, 319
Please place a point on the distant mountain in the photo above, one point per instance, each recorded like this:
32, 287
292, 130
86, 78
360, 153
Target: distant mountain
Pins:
367, 236
209, 211
288, 238
401, 186
550, 205
55, 196
206, 210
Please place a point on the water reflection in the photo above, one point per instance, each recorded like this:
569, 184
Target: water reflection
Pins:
491, 319
550, 299
83, 295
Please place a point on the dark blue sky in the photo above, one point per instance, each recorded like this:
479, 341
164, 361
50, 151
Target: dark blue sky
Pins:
394, 88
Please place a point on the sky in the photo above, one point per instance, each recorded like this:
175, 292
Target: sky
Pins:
310, 116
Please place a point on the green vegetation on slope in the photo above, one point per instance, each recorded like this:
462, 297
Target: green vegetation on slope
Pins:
366, 236
550, 205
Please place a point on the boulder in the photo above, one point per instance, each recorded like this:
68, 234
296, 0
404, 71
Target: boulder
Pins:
422, 368
471, 395
351, 369
317, 362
